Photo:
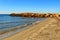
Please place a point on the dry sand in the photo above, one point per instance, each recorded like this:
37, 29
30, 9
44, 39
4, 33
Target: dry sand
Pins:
46, 30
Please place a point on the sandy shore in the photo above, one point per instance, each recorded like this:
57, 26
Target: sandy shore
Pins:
46, 30
11, 31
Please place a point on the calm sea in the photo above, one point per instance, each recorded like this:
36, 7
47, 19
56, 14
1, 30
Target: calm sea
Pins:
7, 21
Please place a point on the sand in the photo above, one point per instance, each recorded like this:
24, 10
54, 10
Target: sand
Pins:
49, 29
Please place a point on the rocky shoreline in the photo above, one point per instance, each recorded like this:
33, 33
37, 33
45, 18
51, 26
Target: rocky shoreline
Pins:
38, 15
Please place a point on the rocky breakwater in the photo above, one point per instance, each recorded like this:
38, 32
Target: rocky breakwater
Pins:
35, 15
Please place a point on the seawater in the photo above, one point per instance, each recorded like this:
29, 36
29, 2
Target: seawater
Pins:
7, 21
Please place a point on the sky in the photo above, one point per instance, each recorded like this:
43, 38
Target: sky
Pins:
17, 6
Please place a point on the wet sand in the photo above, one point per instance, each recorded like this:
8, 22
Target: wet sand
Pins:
49, 29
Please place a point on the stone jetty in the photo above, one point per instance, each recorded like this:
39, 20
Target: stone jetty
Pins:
35, 15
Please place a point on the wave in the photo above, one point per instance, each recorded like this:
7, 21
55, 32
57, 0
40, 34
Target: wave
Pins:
16, 22
9, 22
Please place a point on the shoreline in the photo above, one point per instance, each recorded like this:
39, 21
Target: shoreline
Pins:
39, 31
18, 29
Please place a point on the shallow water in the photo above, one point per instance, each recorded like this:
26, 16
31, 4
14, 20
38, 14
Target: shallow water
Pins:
7, 21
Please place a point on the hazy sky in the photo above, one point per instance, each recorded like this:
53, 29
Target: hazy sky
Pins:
8, 6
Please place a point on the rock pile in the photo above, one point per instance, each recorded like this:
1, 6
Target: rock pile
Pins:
35, 15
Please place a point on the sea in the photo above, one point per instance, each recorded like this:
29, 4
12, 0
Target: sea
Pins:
7, 21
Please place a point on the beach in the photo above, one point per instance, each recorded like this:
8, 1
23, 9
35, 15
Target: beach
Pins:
8, 23
49, 29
